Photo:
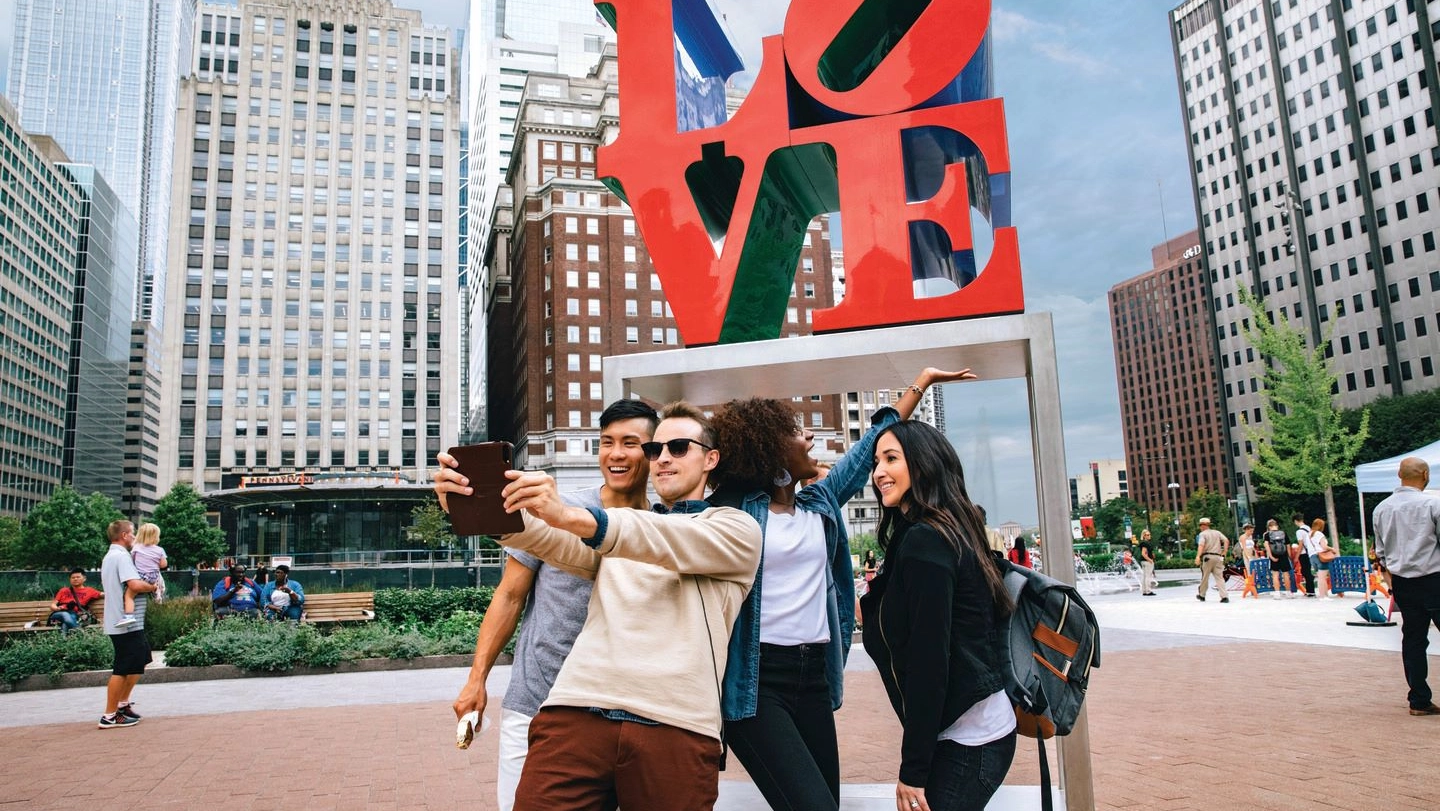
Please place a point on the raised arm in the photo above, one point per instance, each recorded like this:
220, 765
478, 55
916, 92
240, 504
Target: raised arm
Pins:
852, 471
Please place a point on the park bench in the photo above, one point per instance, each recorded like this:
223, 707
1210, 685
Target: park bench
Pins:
30, 616
352, 606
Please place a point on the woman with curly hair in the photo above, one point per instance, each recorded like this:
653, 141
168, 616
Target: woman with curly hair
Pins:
934, 621
784, 674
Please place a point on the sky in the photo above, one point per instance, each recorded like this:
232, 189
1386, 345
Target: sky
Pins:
1096, 143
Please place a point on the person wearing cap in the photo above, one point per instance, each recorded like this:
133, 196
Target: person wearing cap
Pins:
282, 598
1211, 547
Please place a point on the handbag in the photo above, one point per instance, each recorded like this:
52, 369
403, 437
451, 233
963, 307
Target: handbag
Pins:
1327, 554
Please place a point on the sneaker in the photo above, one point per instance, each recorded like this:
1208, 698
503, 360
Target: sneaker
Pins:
1200, 597
1224, 599
1429, 710
122, 720
128, 710
126, 621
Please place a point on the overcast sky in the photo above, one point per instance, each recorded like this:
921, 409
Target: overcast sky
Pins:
1095, 140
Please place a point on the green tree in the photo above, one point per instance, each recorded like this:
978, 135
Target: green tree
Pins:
1303, 446
430, 526
185, 532
1084, 508
9, 536
66, 530
1110, 519
1207, 504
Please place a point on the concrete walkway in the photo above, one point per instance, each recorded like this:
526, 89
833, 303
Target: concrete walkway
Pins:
1250, 704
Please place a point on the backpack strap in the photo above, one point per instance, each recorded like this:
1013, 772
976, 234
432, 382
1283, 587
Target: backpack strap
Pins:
1047, 803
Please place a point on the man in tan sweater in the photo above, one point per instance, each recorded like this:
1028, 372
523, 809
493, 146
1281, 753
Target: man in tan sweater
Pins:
634, 716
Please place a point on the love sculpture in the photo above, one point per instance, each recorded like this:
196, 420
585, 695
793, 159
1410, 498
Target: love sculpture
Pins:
876, 109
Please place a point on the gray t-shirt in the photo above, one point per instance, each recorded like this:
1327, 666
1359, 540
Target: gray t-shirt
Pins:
115, 569
554, 614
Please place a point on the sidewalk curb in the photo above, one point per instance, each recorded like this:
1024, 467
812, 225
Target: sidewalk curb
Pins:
168, 675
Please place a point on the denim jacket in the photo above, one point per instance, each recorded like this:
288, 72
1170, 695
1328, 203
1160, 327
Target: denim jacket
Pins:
827, 498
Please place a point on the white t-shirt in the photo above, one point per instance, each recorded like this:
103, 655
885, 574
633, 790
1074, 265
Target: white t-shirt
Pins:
792, 595
989, 720
1303, 536
280, 599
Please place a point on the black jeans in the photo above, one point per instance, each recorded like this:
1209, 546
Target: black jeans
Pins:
1418, 599
1307, 573
964, 778
788, 746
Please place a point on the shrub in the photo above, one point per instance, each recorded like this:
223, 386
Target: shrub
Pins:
424, 606
253, 645
169, 620
55, 653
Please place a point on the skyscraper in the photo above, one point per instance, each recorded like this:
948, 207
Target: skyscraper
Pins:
314, 308
100, 78
1162, 328
105, 257
37, 277
1312, 139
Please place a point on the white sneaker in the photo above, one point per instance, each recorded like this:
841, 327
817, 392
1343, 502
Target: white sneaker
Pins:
127, 621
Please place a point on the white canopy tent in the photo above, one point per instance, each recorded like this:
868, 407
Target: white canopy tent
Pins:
1384, 476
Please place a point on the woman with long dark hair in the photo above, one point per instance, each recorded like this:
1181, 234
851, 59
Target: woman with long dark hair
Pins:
784, 677
934, 615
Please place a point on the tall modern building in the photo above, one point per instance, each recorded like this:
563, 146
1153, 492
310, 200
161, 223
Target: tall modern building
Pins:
314, 307
1316, 165
37, 296
1163, 332
107, 247
101, 78
511, 38
570, 282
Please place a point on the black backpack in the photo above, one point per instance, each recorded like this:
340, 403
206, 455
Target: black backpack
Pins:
1050, 644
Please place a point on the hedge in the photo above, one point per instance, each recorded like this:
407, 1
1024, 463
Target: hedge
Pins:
424, 606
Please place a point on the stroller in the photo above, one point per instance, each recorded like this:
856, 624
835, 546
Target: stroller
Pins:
1234, 576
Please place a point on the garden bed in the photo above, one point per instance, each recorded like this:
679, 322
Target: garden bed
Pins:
437, 627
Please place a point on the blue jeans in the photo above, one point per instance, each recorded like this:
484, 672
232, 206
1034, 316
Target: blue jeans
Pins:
67, 620
788, 747
964, 778
291, 612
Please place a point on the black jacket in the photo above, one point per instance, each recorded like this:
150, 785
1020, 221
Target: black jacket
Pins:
931, 628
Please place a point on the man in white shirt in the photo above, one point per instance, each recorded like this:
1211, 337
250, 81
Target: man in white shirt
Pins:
1407, 544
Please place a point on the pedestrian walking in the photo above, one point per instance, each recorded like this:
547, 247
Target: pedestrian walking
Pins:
1407, 543
1211, 548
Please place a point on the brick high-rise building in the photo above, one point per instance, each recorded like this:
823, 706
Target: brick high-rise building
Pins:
1165, 366
1313, 149
569, 282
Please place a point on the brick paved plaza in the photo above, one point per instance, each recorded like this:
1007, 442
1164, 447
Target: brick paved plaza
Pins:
1306, 713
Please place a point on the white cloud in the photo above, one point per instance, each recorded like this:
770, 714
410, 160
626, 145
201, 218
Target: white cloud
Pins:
1009, 26
1066, 55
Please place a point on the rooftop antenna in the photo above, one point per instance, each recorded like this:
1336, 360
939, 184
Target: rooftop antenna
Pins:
1164, 226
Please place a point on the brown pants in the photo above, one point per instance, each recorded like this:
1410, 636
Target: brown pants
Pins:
582, 761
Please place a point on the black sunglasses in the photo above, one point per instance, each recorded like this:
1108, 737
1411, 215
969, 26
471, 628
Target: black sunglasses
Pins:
677, 447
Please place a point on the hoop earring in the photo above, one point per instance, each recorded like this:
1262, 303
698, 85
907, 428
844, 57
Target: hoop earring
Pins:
783, 479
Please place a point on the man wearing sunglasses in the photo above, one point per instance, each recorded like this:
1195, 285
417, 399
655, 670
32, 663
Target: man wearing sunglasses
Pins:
554, 602
634, 716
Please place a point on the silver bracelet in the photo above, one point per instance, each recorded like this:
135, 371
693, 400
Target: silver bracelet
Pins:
918, 391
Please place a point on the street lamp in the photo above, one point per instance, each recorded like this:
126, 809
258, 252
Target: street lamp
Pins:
1173, 486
